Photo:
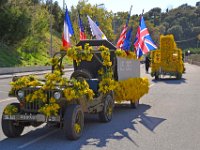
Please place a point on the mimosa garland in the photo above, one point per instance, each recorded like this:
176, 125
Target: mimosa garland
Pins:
10, 110
107, 83
78, 54
131, 89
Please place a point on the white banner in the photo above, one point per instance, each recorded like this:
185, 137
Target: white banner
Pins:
127, 68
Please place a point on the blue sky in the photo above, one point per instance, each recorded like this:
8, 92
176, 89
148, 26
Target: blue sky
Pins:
138, 5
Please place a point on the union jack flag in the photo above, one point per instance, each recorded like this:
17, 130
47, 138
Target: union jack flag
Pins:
143, 42
81, 29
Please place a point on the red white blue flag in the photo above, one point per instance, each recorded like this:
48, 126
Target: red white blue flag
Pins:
81, 29
127, 41
68, 30
143, 42
122, 37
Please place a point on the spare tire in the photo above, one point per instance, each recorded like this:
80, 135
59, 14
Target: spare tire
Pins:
81, 74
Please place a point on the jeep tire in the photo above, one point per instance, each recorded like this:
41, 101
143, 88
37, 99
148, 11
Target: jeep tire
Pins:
106, 114
78, 74
10, 128
73, 122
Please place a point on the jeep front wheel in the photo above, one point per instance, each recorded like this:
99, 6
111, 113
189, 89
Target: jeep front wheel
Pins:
73, 122
106, 114
11, 128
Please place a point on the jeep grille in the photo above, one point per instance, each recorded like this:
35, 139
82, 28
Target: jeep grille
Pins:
33, 107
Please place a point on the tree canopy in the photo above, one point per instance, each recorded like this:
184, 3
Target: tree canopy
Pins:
25, 26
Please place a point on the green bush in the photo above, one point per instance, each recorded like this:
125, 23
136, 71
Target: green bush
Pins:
192, 50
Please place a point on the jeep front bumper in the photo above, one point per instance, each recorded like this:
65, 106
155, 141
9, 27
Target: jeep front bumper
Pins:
37, 118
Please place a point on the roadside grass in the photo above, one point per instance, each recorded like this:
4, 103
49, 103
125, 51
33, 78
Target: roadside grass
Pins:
8, 56
192, 50
31, 51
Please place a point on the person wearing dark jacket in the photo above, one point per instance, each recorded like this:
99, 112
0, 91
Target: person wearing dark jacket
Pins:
147, 64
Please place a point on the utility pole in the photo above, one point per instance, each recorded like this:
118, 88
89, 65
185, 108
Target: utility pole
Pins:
51, 48
63, 5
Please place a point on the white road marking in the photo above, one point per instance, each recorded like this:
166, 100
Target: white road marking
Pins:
151, 85
37, 139
8, 99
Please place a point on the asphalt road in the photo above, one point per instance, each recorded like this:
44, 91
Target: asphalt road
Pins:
167, 119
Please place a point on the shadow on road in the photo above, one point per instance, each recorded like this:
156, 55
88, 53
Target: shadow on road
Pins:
95, 133
170, 80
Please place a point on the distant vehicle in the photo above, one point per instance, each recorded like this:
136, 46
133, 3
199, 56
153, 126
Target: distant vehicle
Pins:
167, 60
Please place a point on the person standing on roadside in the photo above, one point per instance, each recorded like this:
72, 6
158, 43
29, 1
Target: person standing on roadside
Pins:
147, 64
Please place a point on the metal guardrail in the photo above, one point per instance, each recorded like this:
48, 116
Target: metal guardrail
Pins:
193, 62
12, 70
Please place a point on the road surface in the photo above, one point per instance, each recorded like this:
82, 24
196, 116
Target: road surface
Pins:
167, 119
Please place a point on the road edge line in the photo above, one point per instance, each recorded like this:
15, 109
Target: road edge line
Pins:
151, 85
7, 99
37, 139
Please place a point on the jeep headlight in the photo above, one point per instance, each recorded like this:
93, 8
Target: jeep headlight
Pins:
57, 95
20, 94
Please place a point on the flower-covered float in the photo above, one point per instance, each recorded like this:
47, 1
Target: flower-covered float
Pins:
168, 59
102, 77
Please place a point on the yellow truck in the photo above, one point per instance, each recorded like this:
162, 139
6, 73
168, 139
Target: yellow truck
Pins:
167, 60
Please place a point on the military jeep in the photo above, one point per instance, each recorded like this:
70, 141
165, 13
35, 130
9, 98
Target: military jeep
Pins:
71, 113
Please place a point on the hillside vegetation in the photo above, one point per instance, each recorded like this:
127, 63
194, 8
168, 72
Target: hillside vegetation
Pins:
25, 35
25, 28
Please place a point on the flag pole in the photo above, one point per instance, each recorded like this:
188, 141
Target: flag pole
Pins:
124, 30
79, 16
142, 12
129, 14
64, 5
51, 38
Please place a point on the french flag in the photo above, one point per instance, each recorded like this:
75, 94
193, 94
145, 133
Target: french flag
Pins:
68, 30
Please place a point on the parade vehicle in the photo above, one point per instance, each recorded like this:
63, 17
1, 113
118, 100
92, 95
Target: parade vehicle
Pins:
167, 60
62, 102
